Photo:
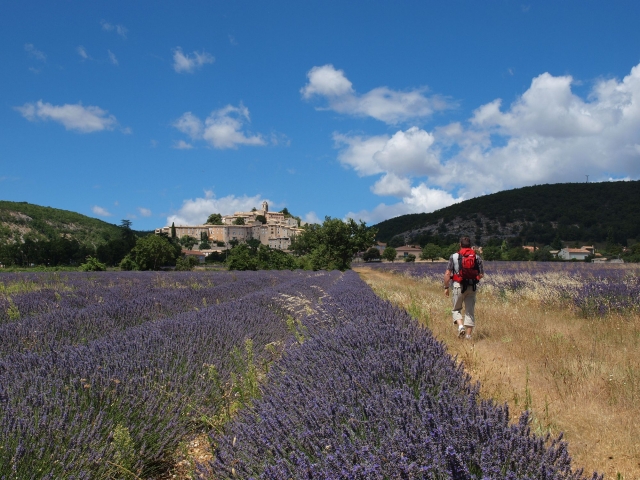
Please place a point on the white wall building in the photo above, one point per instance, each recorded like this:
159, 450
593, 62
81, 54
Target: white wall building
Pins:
575, 253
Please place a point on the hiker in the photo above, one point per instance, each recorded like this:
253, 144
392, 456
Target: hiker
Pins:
465, 271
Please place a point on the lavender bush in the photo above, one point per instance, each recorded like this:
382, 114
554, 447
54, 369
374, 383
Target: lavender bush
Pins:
376, 396
102, 376
70, 411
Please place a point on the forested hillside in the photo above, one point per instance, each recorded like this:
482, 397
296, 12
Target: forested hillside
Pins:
32, 234
588, 212
21, 219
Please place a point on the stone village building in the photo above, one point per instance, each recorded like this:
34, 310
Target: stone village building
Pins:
276, 233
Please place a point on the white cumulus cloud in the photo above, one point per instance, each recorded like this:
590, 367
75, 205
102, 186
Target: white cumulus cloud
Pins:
190, 124
222, 129
189, 63
392, 185
409, 152
312, 217
145, 212
74, 117
101, 212
196, 211
419, 199
382, 103
549, 134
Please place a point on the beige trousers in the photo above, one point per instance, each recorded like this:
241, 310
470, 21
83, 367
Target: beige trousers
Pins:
468, 298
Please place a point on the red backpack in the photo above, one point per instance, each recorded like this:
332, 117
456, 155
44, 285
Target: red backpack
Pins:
468, 270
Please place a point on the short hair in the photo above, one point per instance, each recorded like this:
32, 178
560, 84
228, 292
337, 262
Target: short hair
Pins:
465, 242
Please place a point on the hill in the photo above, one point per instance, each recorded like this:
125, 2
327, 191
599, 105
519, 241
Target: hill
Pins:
22, 220
587, 212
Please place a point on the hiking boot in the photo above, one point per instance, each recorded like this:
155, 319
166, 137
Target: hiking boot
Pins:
468, 337
461, 331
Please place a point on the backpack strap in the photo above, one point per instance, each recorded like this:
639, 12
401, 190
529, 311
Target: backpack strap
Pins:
457, 263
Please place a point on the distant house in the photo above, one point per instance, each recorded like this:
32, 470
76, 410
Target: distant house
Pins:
575, 253
403, 252
194, 253
380, 246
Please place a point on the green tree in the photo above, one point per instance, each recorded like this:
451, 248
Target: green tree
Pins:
214, 219
372, 254
273, 259
450, 250
173, 230
154, 251
127, 235
93, 265
333, 244
389, 254
128, 263
612, 247
215, 257
431, 251
543, 254
239, 221
204, 241
188, 242
410, 258
557, 243
491, 253
253, 244
397, 241
518, 254
241, 258
186, 263
261, 219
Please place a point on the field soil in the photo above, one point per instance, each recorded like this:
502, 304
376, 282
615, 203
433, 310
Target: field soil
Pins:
576, 375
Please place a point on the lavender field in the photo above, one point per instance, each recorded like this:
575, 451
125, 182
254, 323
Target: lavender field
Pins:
293, 374
590, 289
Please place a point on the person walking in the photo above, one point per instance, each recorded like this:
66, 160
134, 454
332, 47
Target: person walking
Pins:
464, 270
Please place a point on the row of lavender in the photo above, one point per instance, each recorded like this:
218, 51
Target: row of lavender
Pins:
110, 372
371, 395
81, 308
591, 289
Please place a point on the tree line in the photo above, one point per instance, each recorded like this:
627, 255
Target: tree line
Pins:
330, 245
587, 212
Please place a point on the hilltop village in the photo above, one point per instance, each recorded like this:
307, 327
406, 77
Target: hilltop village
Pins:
274, 229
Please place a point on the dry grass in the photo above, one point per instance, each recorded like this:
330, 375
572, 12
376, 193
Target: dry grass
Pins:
578, 376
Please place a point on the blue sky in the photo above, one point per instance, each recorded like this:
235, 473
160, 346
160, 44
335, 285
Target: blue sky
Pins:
169, 111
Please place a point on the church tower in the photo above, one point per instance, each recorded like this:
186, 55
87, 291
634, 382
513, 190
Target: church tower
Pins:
265, 207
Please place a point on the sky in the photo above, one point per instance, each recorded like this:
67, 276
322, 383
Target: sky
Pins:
161, 112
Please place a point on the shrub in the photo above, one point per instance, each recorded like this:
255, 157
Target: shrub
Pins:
93, 265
